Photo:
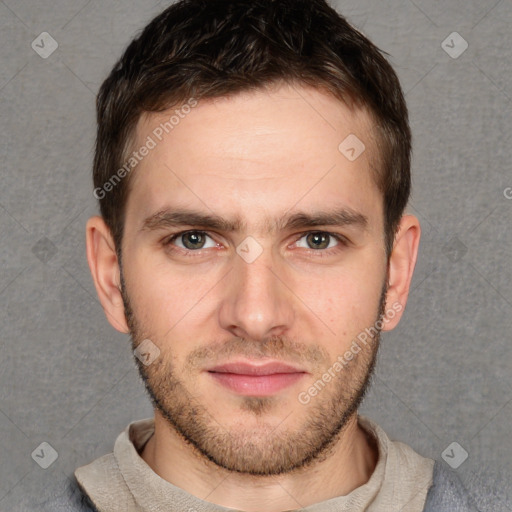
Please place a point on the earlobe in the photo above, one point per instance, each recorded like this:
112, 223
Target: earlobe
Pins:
401, 268
104, 266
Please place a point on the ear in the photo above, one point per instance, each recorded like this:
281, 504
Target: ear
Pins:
102, 258
401, 267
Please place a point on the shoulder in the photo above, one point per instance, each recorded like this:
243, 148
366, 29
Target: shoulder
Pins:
481, 492
447, 492
71, 499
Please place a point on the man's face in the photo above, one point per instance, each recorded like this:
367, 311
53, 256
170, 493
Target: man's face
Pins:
254, 288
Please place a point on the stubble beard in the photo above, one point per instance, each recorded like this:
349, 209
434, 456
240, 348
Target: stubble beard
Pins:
264, 449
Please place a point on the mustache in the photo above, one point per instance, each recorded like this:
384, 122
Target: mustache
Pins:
276, 347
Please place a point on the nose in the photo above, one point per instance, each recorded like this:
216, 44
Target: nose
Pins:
256, 302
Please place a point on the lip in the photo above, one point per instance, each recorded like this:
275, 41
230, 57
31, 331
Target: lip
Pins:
256, 379
244, 368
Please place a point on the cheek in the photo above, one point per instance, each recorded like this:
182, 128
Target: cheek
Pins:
347, 303
152, 294
167, 300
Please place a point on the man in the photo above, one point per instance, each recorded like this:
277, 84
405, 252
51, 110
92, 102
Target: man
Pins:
252, 168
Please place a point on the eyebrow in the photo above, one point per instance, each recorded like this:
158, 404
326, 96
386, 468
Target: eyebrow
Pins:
171, 218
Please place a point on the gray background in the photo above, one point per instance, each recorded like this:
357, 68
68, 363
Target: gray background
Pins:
67, 378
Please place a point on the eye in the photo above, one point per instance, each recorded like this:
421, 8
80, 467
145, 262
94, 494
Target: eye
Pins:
192, 241
319, 240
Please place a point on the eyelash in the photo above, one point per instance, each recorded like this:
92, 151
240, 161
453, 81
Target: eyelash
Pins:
342, 242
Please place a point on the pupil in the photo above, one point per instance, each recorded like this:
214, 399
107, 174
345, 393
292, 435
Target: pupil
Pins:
192, 240
320, 240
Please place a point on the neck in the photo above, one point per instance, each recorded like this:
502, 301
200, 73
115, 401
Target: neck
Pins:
348, 465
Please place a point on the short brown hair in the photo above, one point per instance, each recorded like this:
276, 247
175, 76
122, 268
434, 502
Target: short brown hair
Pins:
214, 48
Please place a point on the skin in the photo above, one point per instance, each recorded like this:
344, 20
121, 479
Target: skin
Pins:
258, 157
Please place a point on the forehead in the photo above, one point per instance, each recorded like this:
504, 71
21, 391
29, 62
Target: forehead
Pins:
261, 152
